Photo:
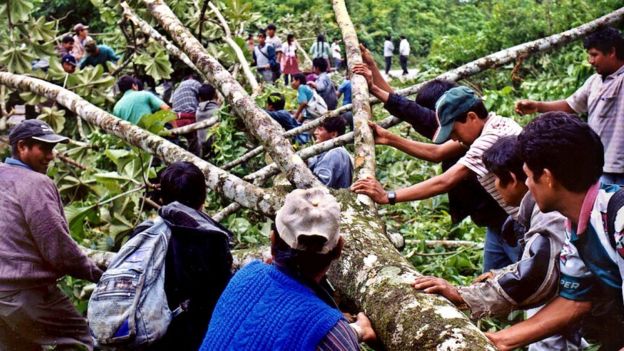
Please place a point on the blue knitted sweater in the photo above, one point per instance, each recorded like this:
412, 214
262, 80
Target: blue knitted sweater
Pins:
265, 309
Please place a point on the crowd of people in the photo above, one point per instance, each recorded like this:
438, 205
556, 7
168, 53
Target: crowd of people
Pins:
548, 194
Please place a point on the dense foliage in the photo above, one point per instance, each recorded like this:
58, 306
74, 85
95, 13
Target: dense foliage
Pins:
107, 199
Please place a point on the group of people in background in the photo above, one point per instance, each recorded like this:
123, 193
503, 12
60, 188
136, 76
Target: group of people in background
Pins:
388, 53
81, 50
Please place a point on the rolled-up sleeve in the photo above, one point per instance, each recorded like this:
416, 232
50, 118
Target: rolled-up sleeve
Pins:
422, 119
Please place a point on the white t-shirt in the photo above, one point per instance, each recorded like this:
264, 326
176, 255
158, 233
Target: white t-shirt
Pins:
289, 50
335, 49
388, 48
495, 128
404, 48
275, 41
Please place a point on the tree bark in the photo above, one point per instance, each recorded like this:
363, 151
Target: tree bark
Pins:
257, 121
218, 180
195, 126
363, 135
153, 33
251, 79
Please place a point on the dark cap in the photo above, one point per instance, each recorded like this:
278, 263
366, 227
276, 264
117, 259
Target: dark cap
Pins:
35, 129
452, 105
67, 58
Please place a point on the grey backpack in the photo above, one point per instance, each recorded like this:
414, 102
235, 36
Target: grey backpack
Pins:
128, 308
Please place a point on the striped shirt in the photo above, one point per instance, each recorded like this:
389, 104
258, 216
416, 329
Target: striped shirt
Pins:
185, 97
603, 100
340, 338
495, 127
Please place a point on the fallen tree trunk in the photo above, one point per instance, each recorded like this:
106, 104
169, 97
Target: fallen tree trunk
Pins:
195, 126
363, 135
217, 179
257, 121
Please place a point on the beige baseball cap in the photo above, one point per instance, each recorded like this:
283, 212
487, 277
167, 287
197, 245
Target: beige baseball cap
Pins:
309, 212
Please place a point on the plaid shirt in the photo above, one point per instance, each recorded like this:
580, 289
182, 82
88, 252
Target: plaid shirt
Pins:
603, 100
185, 98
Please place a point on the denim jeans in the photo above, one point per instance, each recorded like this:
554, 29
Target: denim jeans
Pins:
612, 178
497, 253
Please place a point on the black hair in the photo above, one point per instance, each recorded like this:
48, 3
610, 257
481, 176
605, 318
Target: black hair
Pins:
300, 77
68, 39
402, 36
302, 264
271, 26
206, 92
565, 145
503, 158
125, 83
478, 107
28, 142
604, 40
139, 84
320, 63
388, 37
335, 124
262, 33
276, 100
431, 92
290, 37
183, 182
320, 38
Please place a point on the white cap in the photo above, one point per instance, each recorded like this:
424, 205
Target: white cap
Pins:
309, 212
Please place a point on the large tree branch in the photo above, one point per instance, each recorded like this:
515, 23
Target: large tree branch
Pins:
251, 79
363, 138
218, 180
153, 33
257, 121
207, 123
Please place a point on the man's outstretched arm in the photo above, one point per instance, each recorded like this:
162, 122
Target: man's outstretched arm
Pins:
554, 317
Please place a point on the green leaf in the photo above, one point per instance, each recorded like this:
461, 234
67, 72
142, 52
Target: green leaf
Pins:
156, 65
20, 9
76, 215
17, 59
155, 122
54, 117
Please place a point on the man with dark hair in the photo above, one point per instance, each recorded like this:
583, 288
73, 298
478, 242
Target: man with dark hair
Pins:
563, 160
36, 249
66, 47
184, 102
97, 54
388, 52
334, 167
468, 197
286, 305
275, 104
135, 104
80, 38
532, 280
323, 84
198, 263
601, 97
273, 39
264, 57
208, 106
462, 117
404, 51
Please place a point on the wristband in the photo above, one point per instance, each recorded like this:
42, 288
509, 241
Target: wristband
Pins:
391, 197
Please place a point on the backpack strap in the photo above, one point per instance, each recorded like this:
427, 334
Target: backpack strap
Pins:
616, 202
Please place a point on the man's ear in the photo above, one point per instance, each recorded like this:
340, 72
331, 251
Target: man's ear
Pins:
471, 116
548, 179
514, 180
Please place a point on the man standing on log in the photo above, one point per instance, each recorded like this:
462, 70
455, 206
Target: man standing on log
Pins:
184, 101
36, 250
563, 160
287, 305
135, 104
601, 97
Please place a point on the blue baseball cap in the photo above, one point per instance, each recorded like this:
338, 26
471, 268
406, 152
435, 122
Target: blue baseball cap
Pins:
453, 104
67, 58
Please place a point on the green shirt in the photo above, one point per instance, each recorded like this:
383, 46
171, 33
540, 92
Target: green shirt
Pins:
135, 104
104, 54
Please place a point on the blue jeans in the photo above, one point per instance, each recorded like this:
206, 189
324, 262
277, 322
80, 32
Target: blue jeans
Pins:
612, 178
497, 253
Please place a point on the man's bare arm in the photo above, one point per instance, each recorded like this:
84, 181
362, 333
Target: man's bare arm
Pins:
553, 318
525, 107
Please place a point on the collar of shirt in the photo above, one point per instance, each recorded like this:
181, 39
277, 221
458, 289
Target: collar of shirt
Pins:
586, 209
15, 162
614, 74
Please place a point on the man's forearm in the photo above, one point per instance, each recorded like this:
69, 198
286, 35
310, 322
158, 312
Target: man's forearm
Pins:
379, 81
551, 319
379, 93
425, 151
559, 105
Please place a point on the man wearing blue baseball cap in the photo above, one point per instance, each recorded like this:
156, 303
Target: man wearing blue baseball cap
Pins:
69, 63
36, 249
462, 117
